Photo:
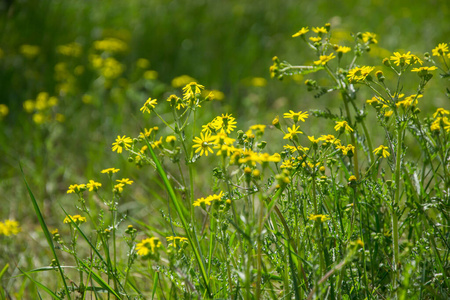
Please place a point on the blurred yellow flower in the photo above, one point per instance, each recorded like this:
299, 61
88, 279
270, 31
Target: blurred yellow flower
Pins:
9, 227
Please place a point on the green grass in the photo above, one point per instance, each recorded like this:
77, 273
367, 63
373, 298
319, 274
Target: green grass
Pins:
223, 45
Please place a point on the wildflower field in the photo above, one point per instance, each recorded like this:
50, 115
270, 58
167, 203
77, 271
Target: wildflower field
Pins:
225, 149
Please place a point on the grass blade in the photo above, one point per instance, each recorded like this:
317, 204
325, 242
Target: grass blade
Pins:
47, 234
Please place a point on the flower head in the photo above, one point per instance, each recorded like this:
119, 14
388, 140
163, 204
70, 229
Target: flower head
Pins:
301, 32
203, 144
77, 219
148, 247
125, 181
344, 125
323, 59
93, 186
382, 151
321, 218
440, 50
343, 49
121, 142
149, 105
369, 37
9, 227
110, 171
76, 188
299, 116
359, 73
292, 132
320, 30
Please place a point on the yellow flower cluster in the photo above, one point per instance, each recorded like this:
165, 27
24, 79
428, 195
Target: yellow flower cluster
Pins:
76, 218
9, 227
319, 217
440, 120
208, 200
42, 108
148, 247
111, 45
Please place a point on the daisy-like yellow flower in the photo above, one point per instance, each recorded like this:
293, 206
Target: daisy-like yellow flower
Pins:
203, 144
149, 105
409, 101
313, 140
374, 100
125, 181
176, 101
301, 32
292, 132
359, 73
299, 116
424, 70
321, 218
171, 139
344, 125
369, 37
77, 219
191, 89
352, 178
93, 186
121, 142
401, 59
343, 49
208, 200
315, 39
148, 247
76, 188
110, 170
440, 50
228, 122
382, 151
320, 30
323, 59
118, 188
146, 133
440, 112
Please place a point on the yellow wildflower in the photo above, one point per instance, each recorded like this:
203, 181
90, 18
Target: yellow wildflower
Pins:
110, 170
125, 181
343, 49
319, 217
323, 59
382, 151
148, 247
342, 124
301, 32
121, 142
77, 219
292, 132
203, 144
440, 50
359, 73
369, 37
300, 116
9, 227
149, 105
93, 186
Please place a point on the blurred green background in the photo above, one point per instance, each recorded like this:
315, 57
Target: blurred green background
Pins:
224, 45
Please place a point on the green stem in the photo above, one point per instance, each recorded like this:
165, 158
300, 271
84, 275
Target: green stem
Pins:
395, 233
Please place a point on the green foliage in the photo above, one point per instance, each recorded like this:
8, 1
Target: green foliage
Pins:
222, 203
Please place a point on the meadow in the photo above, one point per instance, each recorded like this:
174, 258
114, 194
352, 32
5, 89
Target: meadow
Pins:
225, 150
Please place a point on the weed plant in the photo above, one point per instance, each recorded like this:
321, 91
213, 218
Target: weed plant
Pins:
358, 212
